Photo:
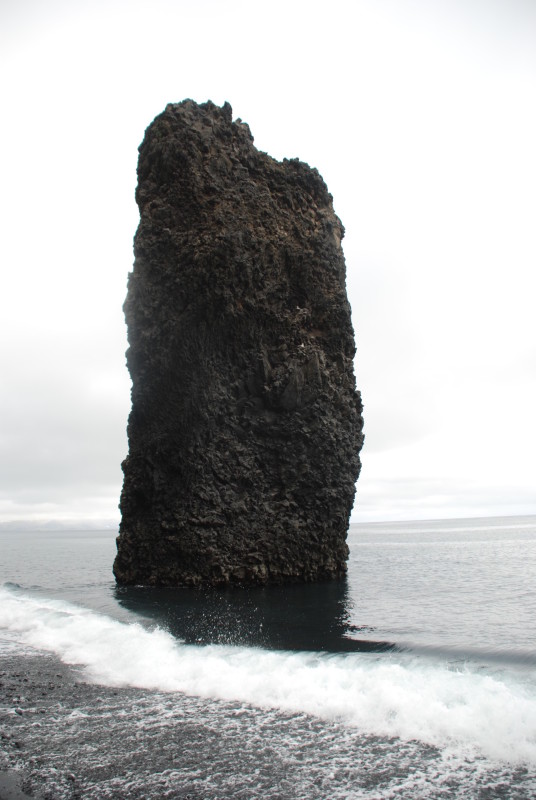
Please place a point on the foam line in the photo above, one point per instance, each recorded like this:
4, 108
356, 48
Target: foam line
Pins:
384, 695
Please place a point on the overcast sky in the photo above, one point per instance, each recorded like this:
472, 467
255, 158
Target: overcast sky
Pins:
421, 117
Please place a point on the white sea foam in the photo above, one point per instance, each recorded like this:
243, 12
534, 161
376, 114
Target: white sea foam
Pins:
384, 695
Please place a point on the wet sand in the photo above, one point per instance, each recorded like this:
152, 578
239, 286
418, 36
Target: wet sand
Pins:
62, 738
32, 688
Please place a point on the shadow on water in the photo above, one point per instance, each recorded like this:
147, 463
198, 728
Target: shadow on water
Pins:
314, 617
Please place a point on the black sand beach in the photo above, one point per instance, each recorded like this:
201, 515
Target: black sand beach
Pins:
61, 737
177, 700
65, 739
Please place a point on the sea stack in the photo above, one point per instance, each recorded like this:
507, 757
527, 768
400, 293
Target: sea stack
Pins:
246, 426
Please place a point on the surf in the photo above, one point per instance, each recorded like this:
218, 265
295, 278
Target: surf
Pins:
388, 694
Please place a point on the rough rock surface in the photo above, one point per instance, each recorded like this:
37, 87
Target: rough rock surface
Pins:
246, 427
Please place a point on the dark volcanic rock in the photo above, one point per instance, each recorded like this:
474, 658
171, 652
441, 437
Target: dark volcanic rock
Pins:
245, 429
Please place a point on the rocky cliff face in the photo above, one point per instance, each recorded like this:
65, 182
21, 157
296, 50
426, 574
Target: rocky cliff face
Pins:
245, 429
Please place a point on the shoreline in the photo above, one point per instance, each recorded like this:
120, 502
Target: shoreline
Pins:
30, 686
65, 738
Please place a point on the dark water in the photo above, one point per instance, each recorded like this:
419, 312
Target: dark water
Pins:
416, 677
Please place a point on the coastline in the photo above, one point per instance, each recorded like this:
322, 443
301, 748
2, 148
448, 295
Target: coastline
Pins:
65, 738
179, 698
31, 686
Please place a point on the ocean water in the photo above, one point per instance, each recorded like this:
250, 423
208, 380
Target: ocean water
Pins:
414, 678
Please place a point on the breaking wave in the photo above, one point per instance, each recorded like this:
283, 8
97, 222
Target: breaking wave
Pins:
463, 708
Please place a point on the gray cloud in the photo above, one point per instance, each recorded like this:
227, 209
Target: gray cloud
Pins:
424, 131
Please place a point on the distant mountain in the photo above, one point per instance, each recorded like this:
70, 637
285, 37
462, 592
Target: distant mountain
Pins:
59, 525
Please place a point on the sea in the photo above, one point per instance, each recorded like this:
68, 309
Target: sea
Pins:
413, 678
